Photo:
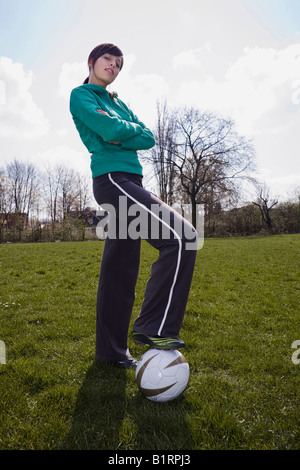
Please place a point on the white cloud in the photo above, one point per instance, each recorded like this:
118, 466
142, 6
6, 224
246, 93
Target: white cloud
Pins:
129, 61
20, 115
62, 155
2, 92
186, 59
278, 185
71, 76
141, 94
62, 132
258, 89
140, 91
190, 58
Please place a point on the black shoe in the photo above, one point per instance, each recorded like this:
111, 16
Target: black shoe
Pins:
129, 363
157, 342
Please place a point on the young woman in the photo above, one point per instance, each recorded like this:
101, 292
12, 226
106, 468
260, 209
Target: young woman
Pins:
113, 135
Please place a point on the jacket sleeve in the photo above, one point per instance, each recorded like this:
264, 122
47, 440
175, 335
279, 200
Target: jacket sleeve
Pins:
111, 128
143, 141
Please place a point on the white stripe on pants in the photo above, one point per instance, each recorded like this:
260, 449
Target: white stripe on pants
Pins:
167, 289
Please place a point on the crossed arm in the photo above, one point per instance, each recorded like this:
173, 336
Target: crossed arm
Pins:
133, 135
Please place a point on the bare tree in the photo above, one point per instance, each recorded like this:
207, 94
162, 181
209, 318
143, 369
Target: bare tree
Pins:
160, 156
5, 197
65, 190
23, 180
265, 205
51, 193
5, 202
69, 190
83, 190
207, 156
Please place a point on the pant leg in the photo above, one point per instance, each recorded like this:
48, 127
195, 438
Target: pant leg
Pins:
115, 298
167, 292
168, 288
117, 280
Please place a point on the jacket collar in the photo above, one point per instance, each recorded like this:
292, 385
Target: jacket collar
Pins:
98, 89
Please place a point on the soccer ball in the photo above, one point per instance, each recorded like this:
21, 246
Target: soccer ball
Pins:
162, 375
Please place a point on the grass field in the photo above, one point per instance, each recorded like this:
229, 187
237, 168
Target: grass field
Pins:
242, 318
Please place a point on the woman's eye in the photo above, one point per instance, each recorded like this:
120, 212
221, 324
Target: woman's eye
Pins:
108, 58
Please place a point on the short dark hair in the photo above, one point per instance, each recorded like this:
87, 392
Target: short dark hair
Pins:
102, 49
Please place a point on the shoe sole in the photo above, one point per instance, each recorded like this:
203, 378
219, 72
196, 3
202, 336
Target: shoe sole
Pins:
120, 365
157, 343
125, 365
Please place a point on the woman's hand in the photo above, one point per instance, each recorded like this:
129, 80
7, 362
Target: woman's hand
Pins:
104, 112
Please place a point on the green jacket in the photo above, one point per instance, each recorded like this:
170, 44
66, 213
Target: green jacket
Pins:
97, 130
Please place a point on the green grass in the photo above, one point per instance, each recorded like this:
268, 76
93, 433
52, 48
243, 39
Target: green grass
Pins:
242, 318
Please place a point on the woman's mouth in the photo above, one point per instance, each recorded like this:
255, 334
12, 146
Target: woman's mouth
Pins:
110, 71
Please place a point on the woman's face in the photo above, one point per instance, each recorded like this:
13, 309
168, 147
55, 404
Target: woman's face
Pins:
105, 70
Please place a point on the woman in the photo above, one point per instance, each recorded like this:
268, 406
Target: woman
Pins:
113, 135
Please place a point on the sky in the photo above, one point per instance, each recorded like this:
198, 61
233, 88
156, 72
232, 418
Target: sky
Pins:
237, 58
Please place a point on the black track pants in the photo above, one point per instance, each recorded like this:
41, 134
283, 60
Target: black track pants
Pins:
168, 287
